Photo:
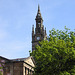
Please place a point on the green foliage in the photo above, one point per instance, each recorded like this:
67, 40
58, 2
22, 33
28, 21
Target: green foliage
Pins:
0, 71
57, 55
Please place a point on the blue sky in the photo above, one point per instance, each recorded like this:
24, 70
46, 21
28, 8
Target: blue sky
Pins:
18, 16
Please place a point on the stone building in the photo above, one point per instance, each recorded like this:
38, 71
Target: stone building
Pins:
40, 33
20, 66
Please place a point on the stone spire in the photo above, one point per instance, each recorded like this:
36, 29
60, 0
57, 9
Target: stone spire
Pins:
38, 9
32, 30
45, 31
39, 33
39, 14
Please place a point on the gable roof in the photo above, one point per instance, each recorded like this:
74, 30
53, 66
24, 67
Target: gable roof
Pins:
3, 58
29, 60
23, 59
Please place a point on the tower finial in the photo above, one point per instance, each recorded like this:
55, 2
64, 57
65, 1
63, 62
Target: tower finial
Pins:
33, 28
38, 8
45, 31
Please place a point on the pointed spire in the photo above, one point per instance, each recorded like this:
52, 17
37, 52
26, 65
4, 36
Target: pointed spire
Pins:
33, 28
38, 13
38, 9
45, 30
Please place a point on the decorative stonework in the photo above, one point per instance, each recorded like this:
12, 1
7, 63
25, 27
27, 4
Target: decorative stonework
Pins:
39, 33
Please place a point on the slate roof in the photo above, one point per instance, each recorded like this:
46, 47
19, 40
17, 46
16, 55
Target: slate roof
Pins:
20, 59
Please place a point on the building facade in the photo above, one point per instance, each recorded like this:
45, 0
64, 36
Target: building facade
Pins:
20, 66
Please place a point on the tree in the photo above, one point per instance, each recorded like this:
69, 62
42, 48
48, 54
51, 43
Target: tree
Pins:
56, 56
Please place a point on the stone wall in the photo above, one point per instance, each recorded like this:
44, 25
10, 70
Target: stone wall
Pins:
18, 68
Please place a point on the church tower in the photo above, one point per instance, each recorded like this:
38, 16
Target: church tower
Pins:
40, 33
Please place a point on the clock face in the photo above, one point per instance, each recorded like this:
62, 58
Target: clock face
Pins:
38, 38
